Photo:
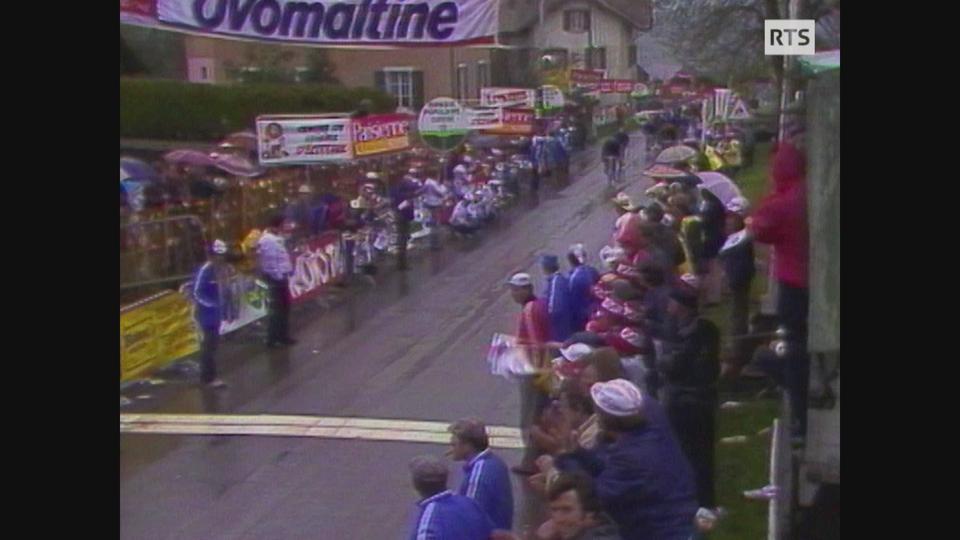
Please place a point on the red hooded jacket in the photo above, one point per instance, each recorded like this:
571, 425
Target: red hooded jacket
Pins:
781, 218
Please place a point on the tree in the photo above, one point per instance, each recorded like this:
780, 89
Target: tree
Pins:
129, 63
264, 64
320, 69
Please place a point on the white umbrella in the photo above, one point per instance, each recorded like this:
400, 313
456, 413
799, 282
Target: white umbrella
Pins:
719, 185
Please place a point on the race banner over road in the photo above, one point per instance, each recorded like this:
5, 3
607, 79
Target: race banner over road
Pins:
353, 23
291, 139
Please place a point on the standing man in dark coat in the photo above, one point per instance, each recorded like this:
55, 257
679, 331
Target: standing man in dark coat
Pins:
690, 368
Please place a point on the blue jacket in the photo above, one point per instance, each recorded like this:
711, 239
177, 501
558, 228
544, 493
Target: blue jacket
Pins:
582, 280
206, 294
557, 294
643, 479
487, 481
447, 516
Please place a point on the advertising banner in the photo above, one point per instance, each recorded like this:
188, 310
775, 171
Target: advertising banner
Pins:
615, 86
551, 97
244, 301
381, 133
292, 139
317, 263
484, 118
515, 122
346, 23
508, 97
586, 78
155, 332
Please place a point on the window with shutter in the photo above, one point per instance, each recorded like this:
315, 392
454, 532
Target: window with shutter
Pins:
576, 20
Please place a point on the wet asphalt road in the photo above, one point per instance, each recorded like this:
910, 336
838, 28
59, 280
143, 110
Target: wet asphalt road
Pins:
411, 347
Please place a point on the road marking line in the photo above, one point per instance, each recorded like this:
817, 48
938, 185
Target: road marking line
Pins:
307, 426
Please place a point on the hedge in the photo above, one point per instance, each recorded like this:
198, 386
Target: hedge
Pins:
172, 110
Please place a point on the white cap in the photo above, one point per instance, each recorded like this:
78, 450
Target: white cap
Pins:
691, 280
373, 175
576, 351
219, 247
618, 397
305, 188
460, 169
738, 205
413, 170
467, 159
580, 252
520, 279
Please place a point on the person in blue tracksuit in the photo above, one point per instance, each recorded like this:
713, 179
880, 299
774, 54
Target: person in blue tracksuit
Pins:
208, 313
582, 280
557, 294
485, 476
442, 514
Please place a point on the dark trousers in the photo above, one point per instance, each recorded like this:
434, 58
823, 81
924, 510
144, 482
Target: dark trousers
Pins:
532, 404
348, 247
739, 323
693, 418
208, 351
403, 237
278, 327
792, 307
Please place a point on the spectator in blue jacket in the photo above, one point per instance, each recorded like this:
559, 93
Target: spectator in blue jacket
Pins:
209, 307
485, 476
557, 294
640, 473
582, 280
442, 514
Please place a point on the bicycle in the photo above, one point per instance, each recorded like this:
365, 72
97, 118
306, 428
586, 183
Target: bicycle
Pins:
611, 169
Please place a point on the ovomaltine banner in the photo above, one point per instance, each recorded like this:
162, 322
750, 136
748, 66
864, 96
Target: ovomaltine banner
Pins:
351, 23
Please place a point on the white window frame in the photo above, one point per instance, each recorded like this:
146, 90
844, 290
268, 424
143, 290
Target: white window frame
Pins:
578, 15
463, 81
396, 88
298, 72
483, 67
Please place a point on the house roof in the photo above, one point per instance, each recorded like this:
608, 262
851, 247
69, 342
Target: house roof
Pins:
638, 13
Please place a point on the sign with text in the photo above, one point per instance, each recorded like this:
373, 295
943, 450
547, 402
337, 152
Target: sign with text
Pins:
291, 139
480, 118
587, 78
615, 86
347, 23
381, 133
316, 263
507, 97
515, 122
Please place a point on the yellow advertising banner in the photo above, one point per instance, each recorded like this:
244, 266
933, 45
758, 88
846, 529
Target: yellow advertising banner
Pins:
155, 332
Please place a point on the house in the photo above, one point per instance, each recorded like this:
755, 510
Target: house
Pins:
596, 34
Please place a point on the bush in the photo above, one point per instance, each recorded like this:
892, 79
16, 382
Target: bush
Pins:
171, 110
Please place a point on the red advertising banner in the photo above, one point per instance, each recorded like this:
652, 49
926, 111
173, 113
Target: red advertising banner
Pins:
586, 77
515, 122
616, 86
381, 133
317, 263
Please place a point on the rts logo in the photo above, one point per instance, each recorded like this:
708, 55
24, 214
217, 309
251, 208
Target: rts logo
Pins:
785, 37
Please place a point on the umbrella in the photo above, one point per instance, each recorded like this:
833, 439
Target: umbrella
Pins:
676, 154
237, 165
134, 169
719, 185
246, 140
189, 157
663, 171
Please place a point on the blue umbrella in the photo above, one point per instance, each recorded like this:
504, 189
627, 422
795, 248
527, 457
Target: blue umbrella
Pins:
134, 169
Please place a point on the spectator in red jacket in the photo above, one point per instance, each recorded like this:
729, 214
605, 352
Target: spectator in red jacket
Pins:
781, 221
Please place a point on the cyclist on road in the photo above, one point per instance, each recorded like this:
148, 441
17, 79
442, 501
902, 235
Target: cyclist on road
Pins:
610, 153
624, 140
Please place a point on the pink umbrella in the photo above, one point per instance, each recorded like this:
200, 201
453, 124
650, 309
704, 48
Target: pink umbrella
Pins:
237, 165
189, 157
719, 185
